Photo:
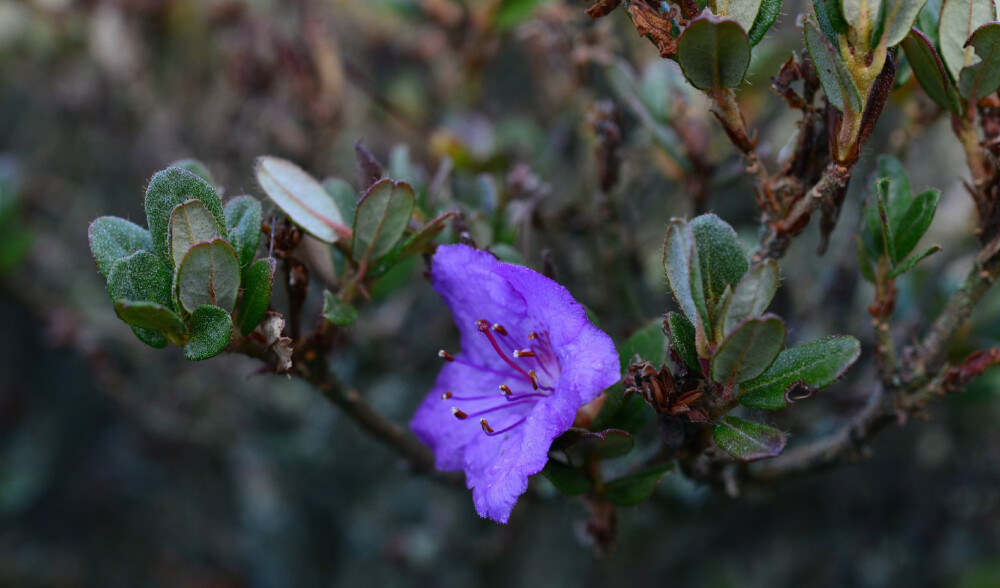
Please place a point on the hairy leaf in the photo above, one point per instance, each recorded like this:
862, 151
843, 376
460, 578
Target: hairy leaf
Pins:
302, 198
256, 294
190, 223
748, 350
720, 254
959, 19
766, 16
211, 328
682, 338
166, 190
815, 366
982, 76
153, 317
209, 275
752, 295
112, 238
747, 440
243, 219
713, 52
839, 85
382, 216
337, 312
635, 488
929, 71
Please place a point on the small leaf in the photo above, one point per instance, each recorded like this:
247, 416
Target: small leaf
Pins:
648, 343
511, 13
752, 295
112, 238
344, 196
888, 235
839, 85
982, 77
141, 277
209, 275
766, 16
637, 487
337, 312
748, 441
680, 262
568, 480
682, 333
369, 168
929, 71
302, 198
383, 214
914, 221
720, 254
864, 264
748, 350
959, 19
243, 220
211, 328
830, 19
744, 12
190, 223
899, 194
815, 365
166, 190
899, 17
582, 444
913, 260
196, 167
619, 411
153, 317
857, 11
256, 294
713, 52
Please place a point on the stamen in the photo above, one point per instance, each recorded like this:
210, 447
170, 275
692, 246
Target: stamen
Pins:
499, 329
524, 353
459, 414
486, 427
505, 390
491, 432
484, 327
446, 395
446, 356
532, 336
533, 378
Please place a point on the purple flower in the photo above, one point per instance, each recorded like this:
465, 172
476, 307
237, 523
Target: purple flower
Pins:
530, 359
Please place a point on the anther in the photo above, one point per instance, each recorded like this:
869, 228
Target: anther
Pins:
486, 426
533, 378
532, 335
499, 329
446, 356
524, 353
446, 395
458, 414
505, 390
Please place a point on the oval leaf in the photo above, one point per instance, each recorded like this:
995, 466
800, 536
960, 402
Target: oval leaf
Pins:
196, 167
899, 17
153, 317
747, 440
648, 344
382, 216
682, 335
929, 71
190, 223
243, 220
166, 190
256, 294
752, 295
748, 350
141, 277
582, 444
982, 77
713, 52
814, 365
744, 12
344, 196
959, 19
112, 238
635, 488
720, 254
915, 221
209, 275
211, 328
337, 312
302, 198
839, 85
680, 262
858, 11
766, 16
568, 480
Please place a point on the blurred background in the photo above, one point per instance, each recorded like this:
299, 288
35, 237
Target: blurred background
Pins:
121, 465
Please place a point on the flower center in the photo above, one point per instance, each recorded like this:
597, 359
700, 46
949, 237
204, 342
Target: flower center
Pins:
530, 369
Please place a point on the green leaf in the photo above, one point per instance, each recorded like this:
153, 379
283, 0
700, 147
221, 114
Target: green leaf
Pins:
383, 214
152, 317
748, 441
713, 53
337, 312
982, 77
888, 235
112, 238
302, 198
648, 343
243, 220
513, 12
637, 487
720, 254
211, 328
857, 10
813, 366
930, 72
899, 17
959, 19
752, 295
680, 262
766, 17
166, 190
748, 350
927, 20
915, 221
913, 260
833, 73
619, 411
831, 19
864, 264
209, 275
682, 335
568, 480
581, 444
190, 223
899, 194
141, 277
744, 12
196, 167
344, 196
256, 294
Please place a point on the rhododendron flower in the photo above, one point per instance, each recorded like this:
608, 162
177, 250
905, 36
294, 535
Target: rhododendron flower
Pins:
529, 360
